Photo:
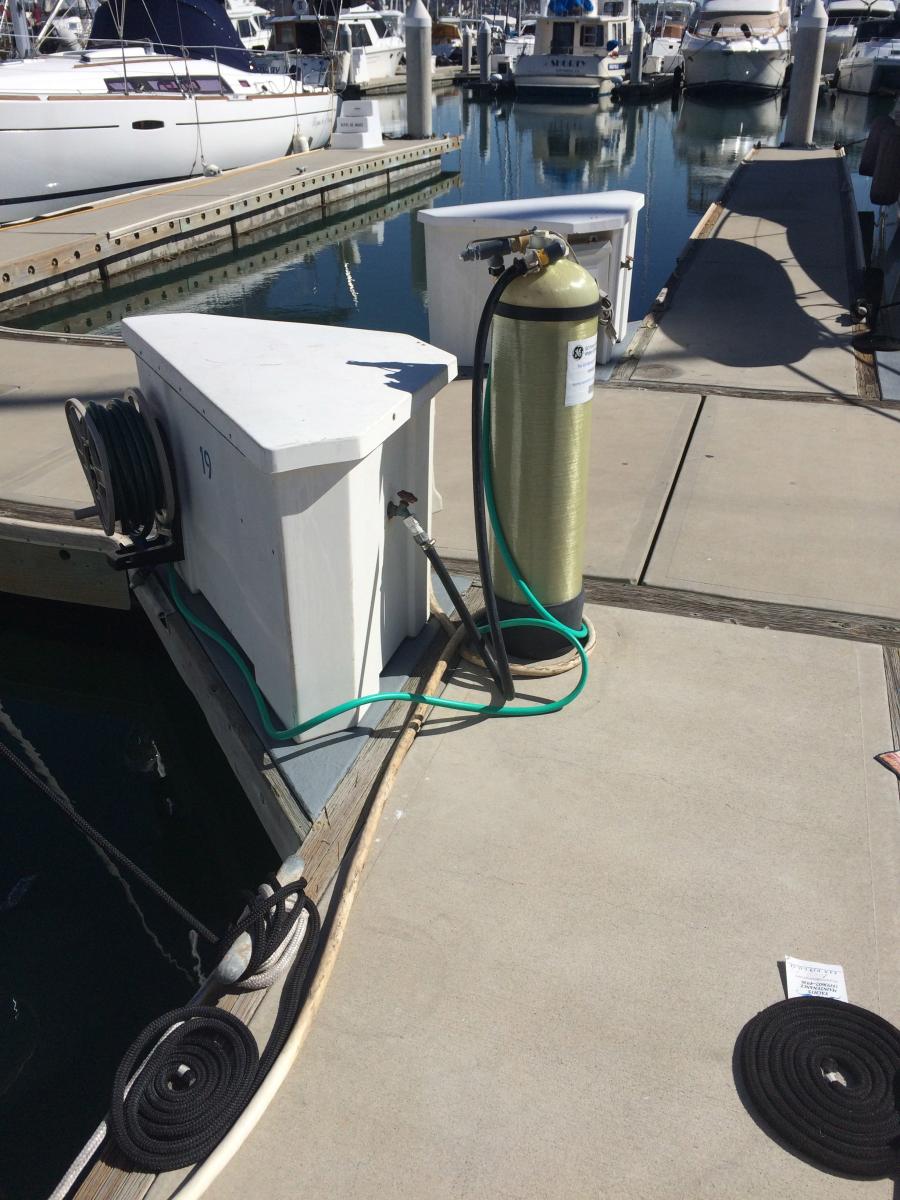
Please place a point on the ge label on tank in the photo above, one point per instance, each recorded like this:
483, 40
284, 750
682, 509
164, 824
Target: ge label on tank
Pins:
580, 366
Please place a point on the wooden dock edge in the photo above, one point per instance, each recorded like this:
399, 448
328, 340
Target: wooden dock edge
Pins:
708, 606
302, 189
288, 825
327, 842
273, 802
46, 555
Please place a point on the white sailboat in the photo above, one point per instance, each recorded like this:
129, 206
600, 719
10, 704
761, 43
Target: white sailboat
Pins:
738, 45
79, 126
577, 52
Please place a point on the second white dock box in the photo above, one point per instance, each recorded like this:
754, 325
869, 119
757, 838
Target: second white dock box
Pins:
600, 226
288, 442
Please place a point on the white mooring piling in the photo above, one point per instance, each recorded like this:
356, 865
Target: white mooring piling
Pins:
636, 67
418, 70
484, 52
808, 44
468, 47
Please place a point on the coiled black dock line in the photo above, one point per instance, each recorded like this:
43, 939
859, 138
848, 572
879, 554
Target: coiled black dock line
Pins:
824, 1076
189, 1075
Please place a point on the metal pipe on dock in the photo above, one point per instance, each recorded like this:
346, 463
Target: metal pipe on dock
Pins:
636, 66
806, 74
418, 70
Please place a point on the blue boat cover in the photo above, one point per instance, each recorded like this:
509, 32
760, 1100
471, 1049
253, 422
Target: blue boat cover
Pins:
570, 8
202, 27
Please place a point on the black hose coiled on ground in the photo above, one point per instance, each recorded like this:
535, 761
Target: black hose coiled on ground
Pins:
824, 1075
197, 1068
498, 664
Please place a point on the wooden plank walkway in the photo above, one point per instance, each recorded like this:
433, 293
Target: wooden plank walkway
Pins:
156, 224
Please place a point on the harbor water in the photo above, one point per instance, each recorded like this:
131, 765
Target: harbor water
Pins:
88, 957
366, 267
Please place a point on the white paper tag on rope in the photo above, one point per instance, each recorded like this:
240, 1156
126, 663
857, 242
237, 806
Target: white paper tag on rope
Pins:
581, 363
814, 979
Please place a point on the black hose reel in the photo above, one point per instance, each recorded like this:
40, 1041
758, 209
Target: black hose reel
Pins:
126, 460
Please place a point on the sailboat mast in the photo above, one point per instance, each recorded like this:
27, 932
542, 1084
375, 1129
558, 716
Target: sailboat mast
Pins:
21, 33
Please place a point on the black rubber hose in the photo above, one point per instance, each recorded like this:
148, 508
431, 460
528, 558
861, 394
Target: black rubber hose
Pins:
498, 647
487, 656
135, 478
823, 1076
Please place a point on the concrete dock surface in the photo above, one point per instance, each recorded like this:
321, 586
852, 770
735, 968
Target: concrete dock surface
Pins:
37, 375
763, 302
566, 922
787, 503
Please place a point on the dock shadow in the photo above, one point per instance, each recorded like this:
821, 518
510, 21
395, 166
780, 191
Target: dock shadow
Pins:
404, 376
744, 311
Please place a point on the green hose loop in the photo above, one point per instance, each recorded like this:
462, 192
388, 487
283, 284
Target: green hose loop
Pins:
544, 620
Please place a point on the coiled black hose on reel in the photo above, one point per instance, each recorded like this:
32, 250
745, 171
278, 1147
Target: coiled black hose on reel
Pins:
125, 458
823, 1076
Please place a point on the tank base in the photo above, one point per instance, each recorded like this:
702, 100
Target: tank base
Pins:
534, 644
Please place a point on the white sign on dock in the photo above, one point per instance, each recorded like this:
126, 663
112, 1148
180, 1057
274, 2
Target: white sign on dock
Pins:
814, 979
358, 126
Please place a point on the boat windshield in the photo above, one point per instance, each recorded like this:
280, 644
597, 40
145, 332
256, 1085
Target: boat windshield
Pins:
738, 24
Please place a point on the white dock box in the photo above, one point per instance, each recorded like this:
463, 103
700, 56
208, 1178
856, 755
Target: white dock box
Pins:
601, 225
288, 442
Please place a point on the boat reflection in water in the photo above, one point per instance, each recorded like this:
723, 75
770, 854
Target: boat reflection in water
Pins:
575, 146
712, 136
844, 117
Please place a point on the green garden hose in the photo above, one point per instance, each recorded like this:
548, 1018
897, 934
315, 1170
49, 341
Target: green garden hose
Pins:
543, 620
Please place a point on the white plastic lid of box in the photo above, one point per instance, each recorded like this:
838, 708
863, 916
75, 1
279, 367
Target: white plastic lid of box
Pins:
287, 394
590, 213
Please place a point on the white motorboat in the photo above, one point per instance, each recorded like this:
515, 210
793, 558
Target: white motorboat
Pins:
738, 45
513, 46
517, 44
446, 39
870, 67
251, 22
665, 33
373, 38
577, 52
849, 20
76, 127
